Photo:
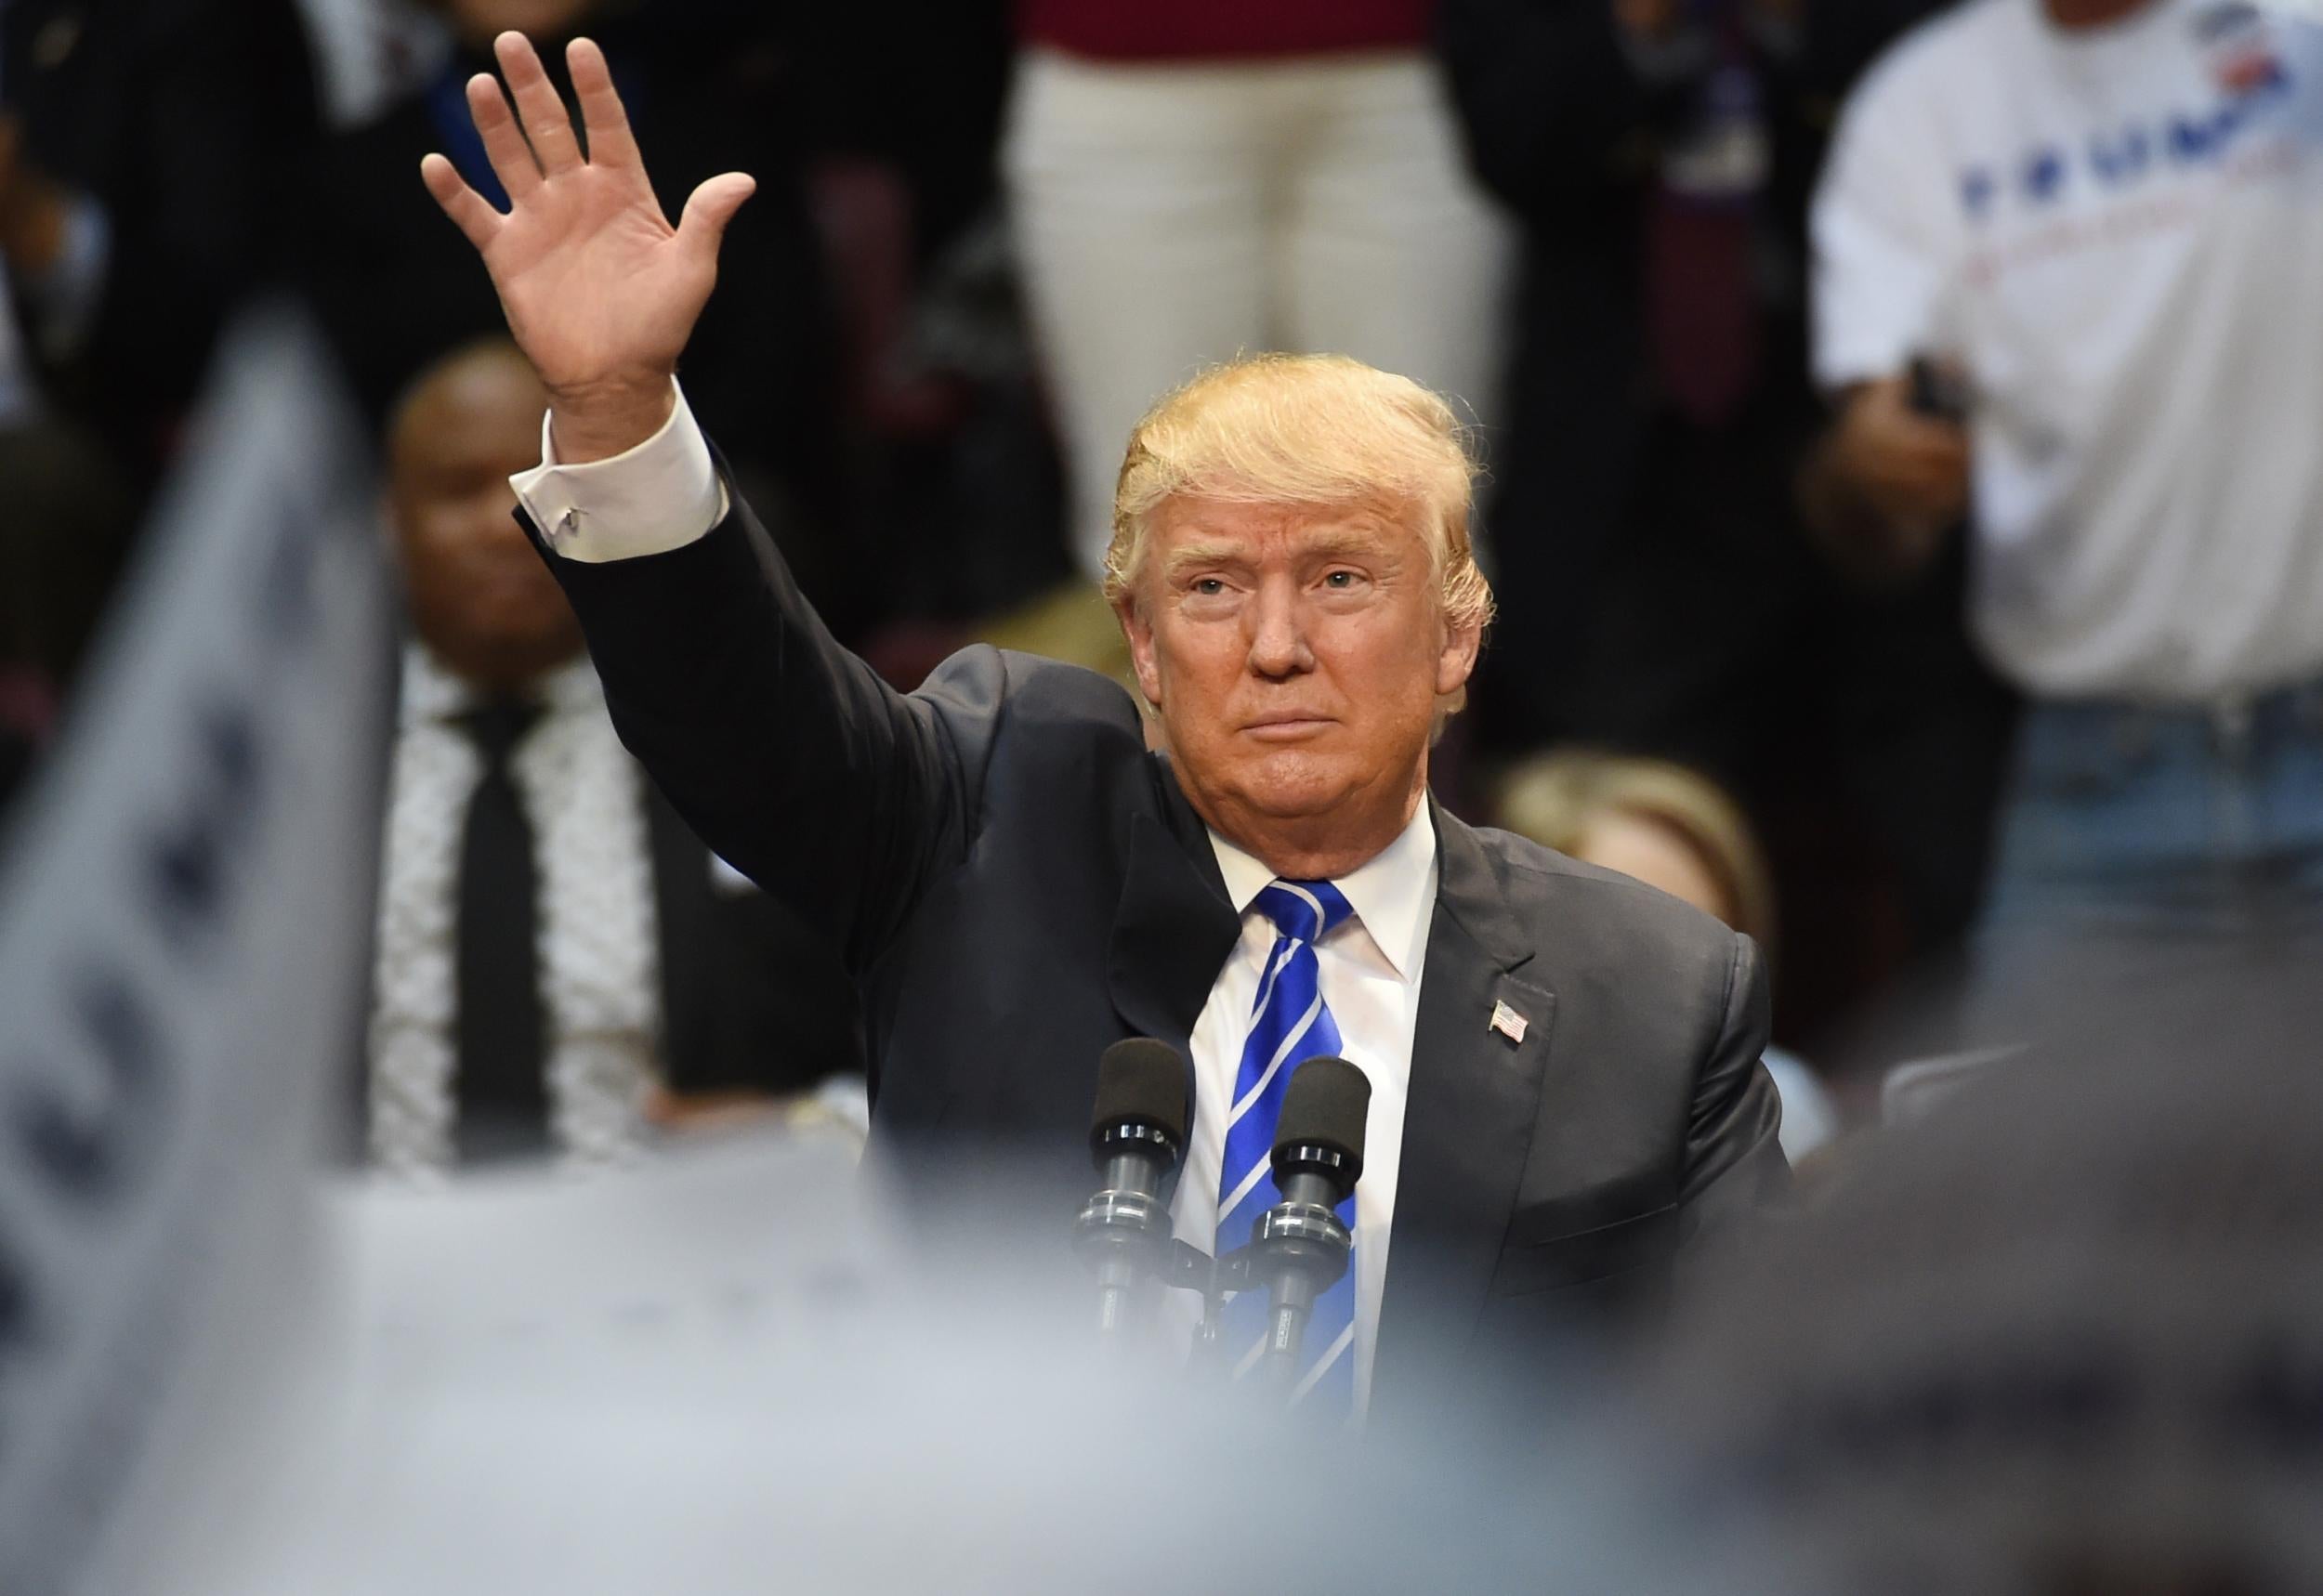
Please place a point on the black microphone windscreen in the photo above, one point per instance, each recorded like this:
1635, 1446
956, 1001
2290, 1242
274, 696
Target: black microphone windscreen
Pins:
1144, 1081
1325, 1105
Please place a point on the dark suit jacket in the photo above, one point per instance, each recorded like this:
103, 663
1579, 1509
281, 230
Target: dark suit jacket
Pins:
1017, 883
752, 998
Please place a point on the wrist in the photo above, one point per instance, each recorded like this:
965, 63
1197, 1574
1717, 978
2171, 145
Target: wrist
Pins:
597, 421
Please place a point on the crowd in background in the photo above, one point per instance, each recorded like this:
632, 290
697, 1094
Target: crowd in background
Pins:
1742, 651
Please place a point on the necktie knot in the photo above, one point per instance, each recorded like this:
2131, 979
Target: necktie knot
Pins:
1303, 910
496, 726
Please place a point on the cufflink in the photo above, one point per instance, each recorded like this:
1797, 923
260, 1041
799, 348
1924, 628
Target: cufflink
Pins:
568, 527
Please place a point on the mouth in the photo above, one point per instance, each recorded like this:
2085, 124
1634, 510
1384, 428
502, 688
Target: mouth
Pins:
1287, 727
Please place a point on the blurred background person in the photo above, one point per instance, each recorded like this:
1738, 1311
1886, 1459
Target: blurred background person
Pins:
2066, 284
1660, 155
143, 145
559, 963
1210, 177
1672, 829
143, 154
1658, 596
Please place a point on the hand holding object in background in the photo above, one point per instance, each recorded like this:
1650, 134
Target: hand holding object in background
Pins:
1887, 481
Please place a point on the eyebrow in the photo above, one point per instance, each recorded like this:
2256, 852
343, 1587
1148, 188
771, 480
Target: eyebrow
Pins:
1331, 542
1187, 556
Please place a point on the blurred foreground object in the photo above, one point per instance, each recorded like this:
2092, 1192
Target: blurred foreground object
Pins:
719, 1374
2064, 1336
182, 909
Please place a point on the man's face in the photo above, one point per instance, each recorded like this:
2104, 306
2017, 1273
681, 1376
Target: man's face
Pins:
1294, 656
480, 597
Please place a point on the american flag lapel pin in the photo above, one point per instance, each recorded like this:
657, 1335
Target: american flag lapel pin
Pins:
1509, 1023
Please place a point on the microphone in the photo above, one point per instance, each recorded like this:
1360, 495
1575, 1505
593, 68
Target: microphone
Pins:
1298, 1247
1137, 1140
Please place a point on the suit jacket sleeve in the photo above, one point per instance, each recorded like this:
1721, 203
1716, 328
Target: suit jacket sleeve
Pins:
1734, 1161
788, 755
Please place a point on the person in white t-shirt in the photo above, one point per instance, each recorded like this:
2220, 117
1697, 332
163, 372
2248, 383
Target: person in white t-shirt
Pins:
2069, 287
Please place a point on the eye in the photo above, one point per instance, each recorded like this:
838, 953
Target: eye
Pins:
1208, 586
1340, 581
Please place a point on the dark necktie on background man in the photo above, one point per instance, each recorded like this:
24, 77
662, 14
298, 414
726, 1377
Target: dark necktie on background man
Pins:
1702, 296
503, 1093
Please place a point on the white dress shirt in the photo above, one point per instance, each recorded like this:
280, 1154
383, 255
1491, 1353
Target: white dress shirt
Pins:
664, 494
1370, 968
598, 925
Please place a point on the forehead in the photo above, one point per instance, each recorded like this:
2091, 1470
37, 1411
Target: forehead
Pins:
1188, 525
482, 414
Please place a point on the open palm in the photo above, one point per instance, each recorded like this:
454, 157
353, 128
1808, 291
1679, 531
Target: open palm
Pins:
599, 290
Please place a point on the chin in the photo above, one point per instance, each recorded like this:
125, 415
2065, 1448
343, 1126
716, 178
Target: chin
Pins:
1293, 786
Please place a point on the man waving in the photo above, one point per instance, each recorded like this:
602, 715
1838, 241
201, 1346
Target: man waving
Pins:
1021, 864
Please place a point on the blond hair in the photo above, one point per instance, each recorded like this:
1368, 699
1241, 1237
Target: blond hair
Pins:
1307, 430
1556, 798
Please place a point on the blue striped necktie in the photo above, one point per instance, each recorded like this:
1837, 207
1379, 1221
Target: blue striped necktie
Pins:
1290, 1024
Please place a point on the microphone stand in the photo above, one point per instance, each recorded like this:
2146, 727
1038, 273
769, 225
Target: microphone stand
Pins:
1194, 1270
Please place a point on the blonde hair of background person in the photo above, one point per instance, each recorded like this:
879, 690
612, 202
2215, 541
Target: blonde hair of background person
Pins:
1560, 799
1307, 431
1681, 834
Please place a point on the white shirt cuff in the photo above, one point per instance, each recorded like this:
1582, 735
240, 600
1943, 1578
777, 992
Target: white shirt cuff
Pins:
659, 495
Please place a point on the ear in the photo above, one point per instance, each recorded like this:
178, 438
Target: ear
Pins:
1137, 629
1456, 661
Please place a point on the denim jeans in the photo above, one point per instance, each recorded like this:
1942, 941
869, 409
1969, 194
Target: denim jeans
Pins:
2138, 841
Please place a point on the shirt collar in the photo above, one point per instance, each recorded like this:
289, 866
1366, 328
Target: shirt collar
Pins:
1390, 893
432, 693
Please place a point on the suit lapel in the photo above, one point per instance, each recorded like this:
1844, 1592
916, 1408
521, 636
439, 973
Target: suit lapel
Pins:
1174, 926
1473, 1100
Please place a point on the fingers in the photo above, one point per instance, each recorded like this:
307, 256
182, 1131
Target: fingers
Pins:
469, 211
710, 207
602, 116
503, 145
546, 124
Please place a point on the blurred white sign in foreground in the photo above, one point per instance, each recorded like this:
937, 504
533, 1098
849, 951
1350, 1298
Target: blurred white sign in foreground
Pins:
182, 915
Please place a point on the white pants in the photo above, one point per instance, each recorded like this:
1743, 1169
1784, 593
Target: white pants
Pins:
1168, 217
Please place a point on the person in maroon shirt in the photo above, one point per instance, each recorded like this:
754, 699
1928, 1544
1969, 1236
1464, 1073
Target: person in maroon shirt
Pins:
1192, 181
1217, 29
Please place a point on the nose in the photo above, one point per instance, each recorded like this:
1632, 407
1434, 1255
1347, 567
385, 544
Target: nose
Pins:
1277, 645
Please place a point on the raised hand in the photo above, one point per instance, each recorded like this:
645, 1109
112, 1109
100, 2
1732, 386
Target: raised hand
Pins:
599, 290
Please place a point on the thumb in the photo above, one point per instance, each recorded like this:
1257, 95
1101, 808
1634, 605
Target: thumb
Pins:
710, 207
